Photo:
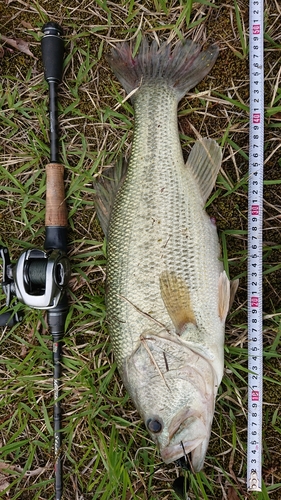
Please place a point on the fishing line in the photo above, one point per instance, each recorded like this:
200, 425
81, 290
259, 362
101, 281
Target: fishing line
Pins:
255, 220
181, 484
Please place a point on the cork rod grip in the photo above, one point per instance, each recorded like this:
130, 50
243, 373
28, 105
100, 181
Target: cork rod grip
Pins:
56, 211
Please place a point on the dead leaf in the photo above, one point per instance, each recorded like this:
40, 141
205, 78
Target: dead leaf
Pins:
276, 116
231, 493
4, 483
27, 25
18, 44
6, 468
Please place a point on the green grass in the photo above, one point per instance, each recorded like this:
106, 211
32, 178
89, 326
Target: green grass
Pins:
107, 452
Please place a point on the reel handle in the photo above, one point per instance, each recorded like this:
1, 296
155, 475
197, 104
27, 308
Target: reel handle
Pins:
8, 319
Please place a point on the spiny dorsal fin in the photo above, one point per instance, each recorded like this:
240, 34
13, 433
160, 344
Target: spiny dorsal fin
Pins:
205, 161
176, 298
106, 189
224, 295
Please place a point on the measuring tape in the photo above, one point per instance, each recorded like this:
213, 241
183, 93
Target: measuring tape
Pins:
255, 218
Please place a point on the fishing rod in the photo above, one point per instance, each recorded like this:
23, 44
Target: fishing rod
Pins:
40, 277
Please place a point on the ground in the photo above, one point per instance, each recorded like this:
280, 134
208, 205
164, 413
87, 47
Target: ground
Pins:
107, 452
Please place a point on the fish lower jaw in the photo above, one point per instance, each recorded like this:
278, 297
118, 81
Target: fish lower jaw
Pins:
174, 452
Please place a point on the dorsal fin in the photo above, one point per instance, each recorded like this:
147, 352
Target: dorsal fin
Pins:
205, 161
106, 189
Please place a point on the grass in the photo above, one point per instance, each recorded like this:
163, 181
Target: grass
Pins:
107, 452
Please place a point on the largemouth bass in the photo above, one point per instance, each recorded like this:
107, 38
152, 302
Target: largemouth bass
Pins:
167, 293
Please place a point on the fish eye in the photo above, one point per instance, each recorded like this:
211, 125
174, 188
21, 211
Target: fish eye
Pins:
154, 425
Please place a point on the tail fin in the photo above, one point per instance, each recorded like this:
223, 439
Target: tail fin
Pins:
181, 68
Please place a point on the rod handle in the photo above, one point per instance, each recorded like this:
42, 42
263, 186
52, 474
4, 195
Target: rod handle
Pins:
56, 211
52, 51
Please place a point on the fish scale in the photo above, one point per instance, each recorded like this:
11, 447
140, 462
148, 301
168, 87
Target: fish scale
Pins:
157, 202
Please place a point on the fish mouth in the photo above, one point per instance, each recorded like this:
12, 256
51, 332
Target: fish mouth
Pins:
182, 444
175, 452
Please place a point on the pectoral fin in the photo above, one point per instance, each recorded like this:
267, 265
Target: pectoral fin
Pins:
176, 297
205, 161
224, 295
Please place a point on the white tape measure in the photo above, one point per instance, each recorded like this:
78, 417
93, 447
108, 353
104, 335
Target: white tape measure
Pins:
255, 219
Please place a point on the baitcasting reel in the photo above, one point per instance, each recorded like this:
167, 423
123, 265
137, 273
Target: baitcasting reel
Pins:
38, 280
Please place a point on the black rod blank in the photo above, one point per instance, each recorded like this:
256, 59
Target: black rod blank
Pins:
52, 54
52, 47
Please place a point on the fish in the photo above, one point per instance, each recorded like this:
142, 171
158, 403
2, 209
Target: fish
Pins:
167, 293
